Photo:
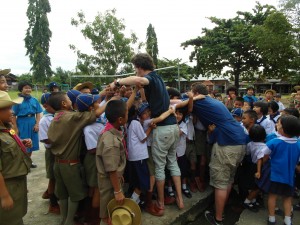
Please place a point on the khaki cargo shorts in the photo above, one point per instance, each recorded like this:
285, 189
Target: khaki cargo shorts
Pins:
223, 164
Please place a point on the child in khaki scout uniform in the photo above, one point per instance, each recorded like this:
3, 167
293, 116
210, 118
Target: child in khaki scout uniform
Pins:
111, 157
65, 134
14, 166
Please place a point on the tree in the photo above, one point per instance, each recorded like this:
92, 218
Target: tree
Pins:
113, 50
292, 9
25, 77
61, 75
151, 44
38, 36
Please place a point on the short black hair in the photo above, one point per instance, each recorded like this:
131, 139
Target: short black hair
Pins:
173, 92
143, 61
199, 88
115, 109
23, 84
292, 111
263, 107
249, 88
290, 125
257, 133
274, 106
56, 99
251, 113
232, 88
240, 99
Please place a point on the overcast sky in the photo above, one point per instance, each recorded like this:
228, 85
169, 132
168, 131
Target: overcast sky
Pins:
174, 22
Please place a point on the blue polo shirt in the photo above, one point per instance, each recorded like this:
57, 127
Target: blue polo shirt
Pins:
228, 131
158, 98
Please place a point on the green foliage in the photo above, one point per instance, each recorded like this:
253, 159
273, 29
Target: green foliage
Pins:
38, 36
245, 46
113, 49
25, 77
292, 9
170, 75
151, 44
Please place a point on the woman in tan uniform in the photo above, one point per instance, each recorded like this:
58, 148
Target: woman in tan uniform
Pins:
14, 166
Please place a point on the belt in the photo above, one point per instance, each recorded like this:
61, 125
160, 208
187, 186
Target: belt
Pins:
67, 161
29, 115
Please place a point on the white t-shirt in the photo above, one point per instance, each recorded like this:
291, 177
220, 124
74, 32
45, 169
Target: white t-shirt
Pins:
43, 128
91, 134
136, 149
146, 125
190, 128
257, 150
281, 106
199, 125
181, 144
267, 124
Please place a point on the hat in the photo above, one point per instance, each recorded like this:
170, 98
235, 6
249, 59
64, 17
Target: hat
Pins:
80, 86
278, 95
237, 112
72, 94
45, 97
270, 90
6, 101
4, 72
297, 88
142, 107
95, 91
52, 85
84, 101
127, 214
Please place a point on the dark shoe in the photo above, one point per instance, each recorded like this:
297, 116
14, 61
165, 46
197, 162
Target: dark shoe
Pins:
211, 219
252, 207
171, 193
33, 165
279, 212
169, 200
142, 204
271, 223
187, 193
46, 195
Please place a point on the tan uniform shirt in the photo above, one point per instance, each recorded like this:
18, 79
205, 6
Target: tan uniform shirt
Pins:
65, 133
110, 153
13, 161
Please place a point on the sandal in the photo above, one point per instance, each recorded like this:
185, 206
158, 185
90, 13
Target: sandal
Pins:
187, 193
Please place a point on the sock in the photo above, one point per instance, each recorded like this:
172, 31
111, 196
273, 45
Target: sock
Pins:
247, 201
135, 197
272, 219
72, 208
253, 200
170, 189
287, 220
184, 186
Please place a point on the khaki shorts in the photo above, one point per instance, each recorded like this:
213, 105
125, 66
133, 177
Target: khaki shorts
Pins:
201, 142
17, 188
190, 151
150, 162
89, 164
223, 164
49, 159
70, 181
106, 194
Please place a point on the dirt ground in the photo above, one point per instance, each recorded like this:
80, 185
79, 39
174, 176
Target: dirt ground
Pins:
37, 184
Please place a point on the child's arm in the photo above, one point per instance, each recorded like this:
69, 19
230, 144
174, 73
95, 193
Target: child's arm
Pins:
37, 118
131, 98
163, 116
114, 179
258, 170
143, 96
5, 198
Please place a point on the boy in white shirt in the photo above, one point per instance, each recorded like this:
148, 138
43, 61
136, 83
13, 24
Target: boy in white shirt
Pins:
261, 108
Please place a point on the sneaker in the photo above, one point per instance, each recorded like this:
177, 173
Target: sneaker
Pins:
252, 207
211, 218
33, 165
54, 209
187, 193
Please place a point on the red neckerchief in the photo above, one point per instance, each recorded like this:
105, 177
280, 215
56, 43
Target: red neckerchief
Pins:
16, 138
108, 127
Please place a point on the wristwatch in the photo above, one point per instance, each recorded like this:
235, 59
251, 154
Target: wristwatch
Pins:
117, 83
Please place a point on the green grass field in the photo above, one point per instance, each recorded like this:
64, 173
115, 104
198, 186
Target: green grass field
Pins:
36, 94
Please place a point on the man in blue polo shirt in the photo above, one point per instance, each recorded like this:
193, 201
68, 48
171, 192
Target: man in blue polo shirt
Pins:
229, 141
166, 132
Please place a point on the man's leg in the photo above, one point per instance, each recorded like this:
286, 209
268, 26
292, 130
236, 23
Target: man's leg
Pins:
221, 197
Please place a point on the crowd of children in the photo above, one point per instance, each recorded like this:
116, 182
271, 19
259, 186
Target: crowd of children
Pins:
95, 143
